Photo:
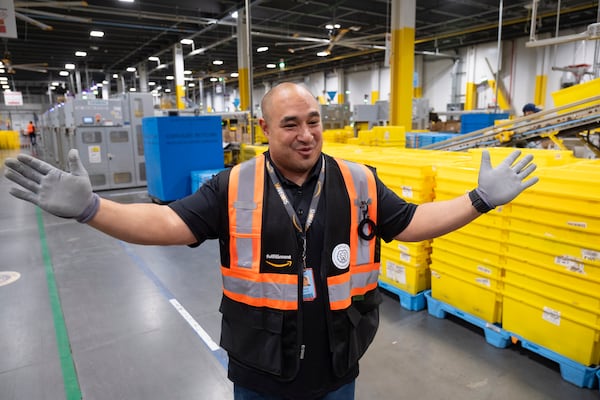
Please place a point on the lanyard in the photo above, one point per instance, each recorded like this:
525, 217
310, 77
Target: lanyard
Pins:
290, 210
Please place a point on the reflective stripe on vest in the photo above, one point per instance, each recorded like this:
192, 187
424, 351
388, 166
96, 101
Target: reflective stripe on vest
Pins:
364, 271
242, 281
245, 213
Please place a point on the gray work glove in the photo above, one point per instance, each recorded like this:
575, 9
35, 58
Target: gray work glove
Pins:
500, 185
67, 195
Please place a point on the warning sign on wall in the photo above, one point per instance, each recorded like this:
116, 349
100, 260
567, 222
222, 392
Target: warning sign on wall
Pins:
13, 98
8, 23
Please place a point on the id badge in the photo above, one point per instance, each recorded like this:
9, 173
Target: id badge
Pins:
309, 292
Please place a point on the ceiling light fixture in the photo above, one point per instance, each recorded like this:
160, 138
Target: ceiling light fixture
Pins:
186, 41
80, 54
262, 49
130, 69
217, 62
271, 66
69, 66
64, 73
213, 79
323, 54
234, 74
154, 58
97, 34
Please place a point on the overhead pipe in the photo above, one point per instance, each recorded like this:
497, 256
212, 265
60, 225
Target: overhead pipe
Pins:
51, 15
495, 25
592, 32
55, 4
589, 34
32, 21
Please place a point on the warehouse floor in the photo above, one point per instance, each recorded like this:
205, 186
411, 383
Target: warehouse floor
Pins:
94, 316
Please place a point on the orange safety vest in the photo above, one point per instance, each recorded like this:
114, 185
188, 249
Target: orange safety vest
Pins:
244, 280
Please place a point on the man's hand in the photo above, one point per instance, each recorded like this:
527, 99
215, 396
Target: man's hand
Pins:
67, 195
500, 185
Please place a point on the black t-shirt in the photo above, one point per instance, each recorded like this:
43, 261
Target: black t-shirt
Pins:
205, 212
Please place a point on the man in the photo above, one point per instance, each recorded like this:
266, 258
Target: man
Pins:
31, 133
530, 108
299, 254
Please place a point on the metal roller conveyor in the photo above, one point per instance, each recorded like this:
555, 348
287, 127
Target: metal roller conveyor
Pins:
569, 119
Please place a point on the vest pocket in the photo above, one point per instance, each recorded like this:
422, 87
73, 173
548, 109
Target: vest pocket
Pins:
253, 335
354, 330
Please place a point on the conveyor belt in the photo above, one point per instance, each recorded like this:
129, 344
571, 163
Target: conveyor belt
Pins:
560, 120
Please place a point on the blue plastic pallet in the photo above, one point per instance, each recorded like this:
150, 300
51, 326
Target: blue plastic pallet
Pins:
571, 371
411, 302
494, 335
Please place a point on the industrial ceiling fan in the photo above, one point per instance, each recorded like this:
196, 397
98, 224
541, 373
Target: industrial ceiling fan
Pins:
11, 68
335, 38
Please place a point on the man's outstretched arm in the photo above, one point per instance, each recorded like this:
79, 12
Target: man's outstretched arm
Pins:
496, 186
70, 195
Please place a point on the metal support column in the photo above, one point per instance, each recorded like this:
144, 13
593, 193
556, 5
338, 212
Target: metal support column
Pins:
403, 43
179, 81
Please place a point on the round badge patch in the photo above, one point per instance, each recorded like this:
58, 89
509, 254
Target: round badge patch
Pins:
8, 277
341, 256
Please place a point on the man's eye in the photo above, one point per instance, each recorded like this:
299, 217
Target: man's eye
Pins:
313, 122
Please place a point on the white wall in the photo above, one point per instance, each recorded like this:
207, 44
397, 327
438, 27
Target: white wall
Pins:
437, 82
359, 84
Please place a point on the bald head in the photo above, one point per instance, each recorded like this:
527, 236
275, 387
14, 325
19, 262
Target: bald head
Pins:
291, 122
281, 90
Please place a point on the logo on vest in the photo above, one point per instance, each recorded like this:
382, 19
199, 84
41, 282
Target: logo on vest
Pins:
341, 256
279, 260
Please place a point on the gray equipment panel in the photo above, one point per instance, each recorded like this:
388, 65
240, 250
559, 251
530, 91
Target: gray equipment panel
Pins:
106, 155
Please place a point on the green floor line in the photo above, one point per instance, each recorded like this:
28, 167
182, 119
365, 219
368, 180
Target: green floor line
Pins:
72, 390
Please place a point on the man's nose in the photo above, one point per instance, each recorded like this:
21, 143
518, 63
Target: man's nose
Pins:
305, 132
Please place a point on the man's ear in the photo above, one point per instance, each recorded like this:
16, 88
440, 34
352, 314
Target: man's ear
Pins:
263, 126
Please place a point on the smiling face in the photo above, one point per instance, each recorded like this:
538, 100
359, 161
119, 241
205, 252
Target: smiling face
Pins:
292, 123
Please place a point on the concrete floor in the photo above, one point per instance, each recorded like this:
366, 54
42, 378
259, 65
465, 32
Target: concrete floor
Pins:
124, 339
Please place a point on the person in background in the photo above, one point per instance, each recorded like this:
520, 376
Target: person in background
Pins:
543, 143
31, 133
530, 108
299, 234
